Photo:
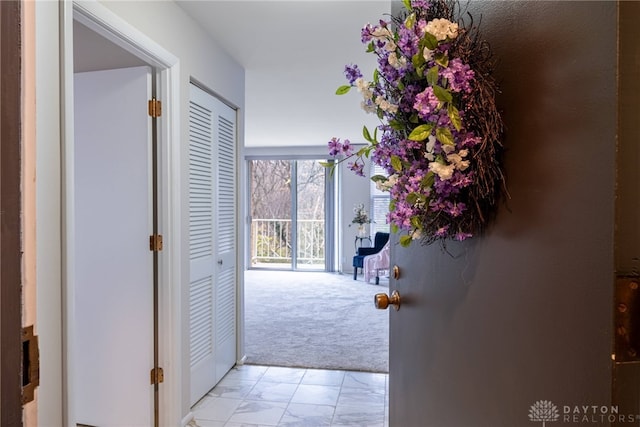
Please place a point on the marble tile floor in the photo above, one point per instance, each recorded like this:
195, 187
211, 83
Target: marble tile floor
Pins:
260, 396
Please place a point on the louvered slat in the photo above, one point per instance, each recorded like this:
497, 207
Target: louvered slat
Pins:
201, 320
200, 182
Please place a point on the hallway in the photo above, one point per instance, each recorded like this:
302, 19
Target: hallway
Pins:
256, 396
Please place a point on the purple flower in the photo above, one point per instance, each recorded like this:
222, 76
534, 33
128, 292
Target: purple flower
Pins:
407, 41
337, 148
366, 33
347, 149
442, 231
352, 73
357, 167
459, 75
456, 209
420, 4
426, 103
460, 236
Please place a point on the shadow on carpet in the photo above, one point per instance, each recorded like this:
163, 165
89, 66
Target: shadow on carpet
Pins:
314, 320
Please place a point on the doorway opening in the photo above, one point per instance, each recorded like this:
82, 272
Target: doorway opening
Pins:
295, 316
102, 169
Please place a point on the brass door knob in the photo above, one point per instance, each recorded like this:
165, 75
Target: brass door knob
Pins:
382, 301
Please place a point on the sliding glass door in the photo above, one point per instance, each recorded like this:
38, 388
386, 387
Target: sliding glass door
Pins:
288, 214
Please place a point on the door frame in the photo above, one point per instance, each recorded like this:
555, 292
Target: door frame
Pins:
166, 68
11, 145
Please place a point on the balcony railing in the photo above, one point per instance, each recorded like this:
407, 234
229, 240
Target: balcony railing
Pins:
271, 242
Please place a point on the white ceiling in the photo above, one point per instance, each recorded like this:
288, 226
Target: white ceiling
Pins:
261, 33
294, 53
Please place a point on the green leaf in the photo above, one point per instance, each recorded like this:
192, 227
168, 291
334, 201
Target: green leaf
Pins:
343, 89
454, 115
421, 132
442, 94
394, 228
416, 223
410, 21
396, 125
444, 136
405, 241
376, 76
327, 164
412, 198
407, 4
370, 47
442, 59
396, 163
366, 134
418, 60
428, 180
430, 41
432, 75
375, 136
379, 178
400, 86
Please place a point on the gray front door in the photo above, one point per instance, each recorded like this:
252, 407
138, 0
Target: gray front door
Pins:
493, 329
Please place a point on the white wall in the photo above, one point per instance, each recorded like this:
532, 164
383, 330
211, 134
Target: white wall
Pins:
354, 189
200, 59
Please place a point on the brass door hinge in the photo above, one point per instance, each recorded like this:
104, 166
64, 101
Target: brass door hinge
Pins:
155, 108
155, 242
157, 376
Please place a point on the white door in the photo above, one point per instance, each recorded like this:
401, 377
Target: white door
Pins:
212, 240
113, 263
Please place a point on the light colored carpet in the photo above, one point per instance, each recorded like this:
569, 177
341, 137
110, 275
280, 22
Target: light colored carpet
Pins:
315, 320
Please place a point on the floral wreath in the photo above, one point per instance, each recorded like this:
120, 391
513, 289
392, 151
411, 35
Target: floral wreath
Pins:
440, 129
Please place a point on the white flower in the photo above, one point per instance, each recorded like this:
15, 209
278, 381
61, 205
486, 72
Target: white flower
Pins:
443, 171
456, 160
388, 183
368, 107
386, 105
363, 87
396, 62
390, 46
427, 53
431, 142
442, 29
382, 32
362, 84
447, 148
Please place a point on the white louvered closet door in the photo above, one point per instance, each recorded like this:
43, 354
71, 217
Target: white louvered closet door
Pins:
212, 240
